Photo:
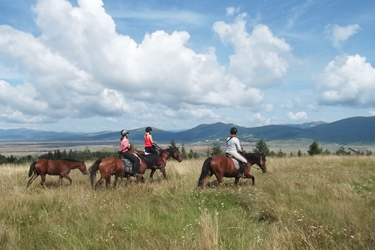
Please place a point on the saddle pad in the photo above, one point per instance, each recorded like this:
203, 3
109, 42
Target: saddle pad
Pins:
236, 164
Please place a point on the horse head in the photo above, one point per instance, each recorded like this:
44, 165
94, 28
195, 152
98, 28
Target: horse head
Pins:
176, 154
262, 162
83, 169
259, 159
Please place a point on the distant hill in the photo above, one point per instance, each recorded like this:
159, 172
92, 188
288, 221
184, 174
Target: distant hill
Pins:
350, 130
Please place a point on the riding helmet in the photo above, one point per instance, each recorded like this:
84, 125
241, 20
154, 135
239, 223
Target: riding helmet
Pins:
148, 129
233, 131
124, 132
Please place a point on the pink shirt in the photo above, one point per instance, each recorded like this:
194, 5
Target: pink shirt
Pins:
124, 145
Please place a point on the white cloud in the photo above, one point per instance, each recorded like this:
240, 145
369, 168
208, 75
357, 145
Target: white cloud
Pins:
297, 116
259, 57
192, 113
339, 34
297, 103
348, 80
80, 67
232, 11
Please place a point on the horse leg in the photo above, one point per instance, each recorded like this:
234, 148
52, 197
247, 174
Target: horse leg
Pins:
60, 180
100, 181
115, 182
108, 181
236, 180
252, 179
248, 175
152, 174
206, 179
43, 176
121, 180
35, 175
68, 178
219, 180
164, 173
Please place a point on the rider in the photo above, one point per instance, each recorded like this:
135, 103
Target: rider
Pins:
154, 159
149, 142
234, 149
124, 149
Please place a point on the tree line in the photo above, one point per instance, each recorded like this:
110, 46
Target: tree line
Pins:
314, 149
216, 149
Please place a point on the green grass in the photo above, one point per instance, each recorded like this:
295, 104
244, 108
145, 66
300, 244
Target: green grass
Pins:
300, 203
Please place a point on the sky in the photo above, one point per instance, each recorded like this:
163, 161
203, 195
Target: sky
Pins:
108, 65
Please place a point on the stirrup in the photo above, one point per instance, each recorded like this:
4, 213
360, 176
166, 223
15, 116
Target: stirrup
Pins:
241, 175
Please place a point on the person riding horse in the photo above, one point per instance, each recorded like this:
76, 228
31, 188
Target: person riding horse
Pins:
234, 150
124, 150
149, 142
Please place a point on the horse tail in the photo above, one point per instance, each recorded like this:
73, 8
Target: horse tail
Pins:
32, 168
205, 169
93, 169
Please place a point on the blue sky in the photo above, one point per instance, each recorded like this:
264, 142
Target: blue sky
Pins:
92, 65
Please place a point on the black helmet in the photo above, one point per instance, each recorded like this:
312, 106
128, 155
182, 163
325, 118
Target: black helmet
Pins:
148, 129
124, 132
233, 131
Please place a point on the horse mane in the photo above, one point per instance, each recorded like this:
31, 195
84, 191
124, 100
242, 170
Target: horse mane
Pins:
254, 155
73, 160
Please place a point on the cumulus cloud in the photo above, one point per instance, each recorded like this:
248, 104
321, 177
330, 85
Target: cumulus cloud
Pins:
339, 34
260, 57
80, 66
348, 80
297, 116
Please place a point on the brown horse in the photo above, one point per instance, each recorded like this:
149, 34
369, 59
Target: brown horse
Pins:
222, 166
54, 167
113, 166
171, 151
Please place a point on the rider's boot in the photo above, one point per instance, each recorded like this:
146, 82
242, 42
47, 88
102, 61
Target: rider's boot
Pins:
241, 170
136, 168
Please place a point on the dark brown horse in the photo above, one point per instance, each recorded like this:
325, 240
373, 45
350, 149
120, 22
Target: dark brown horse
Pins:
222, 166
171, 151
54, 167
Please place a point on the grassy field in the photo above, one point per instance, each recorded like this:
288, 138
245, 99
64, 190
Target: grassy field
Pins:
300, 203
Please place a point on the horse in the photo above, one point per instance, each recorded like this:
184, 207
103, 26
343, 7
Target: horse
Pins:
223, 166
54, 167
115, 166
172, 151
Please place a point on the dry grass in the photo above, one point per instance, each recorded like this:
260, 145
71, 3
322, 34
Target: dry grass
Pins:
300, 203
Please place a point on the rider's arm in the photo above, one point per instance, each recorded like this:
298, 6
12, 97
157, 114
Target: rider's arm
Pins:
238, 146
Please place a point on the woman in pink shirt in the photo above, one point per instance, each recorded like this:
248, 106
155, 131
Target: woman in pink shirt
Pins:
124, 149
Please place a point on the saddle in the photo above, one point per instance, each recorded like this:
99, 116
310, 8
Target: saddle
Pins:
129, 168
235, 161
151, 159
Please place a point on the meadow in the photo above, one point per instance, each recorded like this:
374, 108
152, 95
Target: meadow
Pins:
320, 202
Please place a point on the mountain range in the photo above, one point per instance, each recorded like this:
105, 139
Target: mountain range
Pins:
350, 130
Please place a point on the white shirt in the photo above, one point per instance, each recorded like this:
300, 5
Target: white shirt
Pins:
233, 144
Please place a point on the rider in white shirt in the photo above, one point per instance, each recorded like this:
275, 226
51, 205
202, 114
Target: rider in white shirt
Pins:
234, 149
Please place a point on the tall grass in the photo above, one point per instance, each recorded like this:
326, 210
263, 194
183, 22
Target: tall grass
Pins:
300, 203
